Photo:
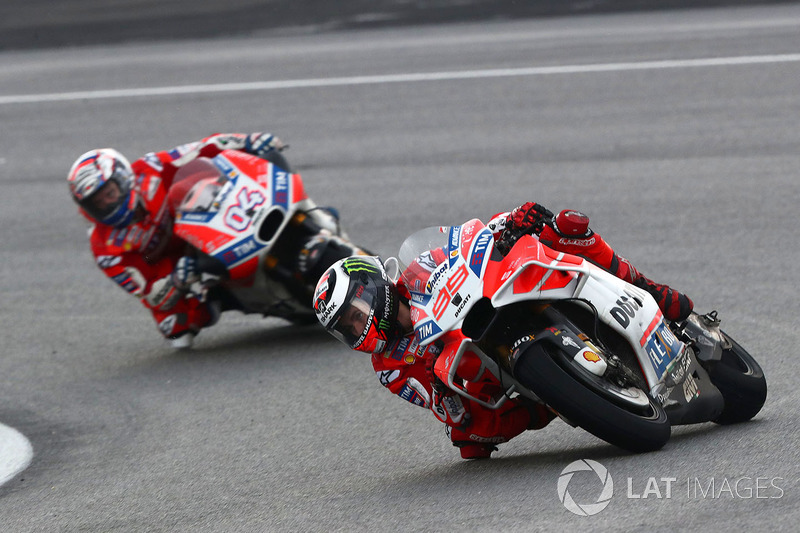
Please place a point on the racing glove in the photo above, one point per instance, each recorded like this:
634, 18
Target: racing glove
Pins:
185, 273
528, 218
261, 144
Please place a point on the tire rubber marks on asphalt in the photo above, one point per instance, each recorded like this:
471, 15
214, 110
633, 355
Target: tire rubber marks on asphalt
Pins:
401, 78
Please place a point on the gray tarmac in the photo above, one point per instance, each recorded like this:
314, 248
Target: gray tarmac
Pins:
67, 23
688, 169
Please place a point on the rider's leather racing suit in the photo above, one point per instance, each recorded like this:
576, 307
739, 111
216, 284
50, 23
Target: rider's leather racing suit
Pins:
140, 258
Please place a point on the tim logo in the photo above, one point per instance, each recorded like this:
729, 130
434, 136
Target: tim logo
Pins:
479, 251
280, 190
426, 330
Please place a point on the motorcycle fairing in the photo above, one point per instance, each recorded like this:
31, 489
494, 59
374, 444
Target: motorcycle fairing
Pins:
533, 271
227, 228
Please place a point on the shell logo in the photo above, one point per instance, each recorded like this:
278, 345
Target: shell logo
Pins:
591, 356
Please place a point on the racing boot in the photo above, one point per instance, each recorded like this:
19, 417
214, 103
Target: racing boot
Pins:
472, 450
570, 233
477, 436
540, 414
469, 449
676, 306
534, 416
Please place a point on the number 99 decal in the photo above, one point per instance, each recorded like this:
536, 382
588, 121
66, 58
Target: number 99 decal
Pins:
450, 288
237, 217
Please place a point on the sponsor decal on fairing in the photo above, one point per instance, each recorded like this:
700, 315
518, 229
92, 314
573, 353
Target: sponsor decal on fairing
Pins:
461, 305
435, 277
280, 187
591, 356
448, 409
239, 251
662, 347
518, 342
625, 309
454, 242
569, 341
226, 167
690, 389
478, 253
426, 330
419, 298
195, 218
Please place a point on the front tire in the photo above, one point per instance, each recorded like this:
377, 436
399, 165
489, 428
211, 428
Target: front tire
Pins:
741, 381
582, 399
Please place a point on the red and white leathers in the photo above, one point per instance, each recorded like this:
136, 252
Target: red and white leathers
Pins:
401, 368
140, 257
404, 368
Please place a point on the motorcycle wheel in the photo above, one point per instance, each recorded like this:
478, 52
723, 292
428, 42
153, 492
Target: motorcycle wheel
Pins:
741, 381
590, 402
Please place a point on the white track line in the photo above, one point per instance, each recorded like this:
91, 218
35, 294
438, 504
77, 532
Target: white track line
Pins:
399, 78
16, 453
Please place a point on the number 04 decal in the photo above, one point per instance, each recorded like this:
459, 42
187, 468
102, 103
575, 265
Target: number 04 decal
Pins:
238, 215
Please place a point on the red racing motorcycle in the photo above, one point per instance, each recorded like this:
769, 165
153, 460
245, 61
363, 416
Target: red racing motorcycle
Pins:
557, 329
258, 238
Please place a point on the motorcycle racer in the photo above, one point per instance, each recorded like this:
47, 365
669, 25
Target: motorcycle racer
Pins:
359, 304
131, 233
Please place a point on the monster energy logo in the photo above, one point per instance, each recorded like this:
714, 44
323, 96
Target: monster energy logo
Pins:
358, 265
384, 324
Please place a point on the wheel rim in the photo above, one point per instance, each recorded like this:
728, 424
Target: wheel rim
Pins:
632, 399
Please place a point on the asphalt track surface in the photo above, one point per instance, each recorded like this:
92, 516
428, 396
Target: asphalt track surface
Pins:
685, 159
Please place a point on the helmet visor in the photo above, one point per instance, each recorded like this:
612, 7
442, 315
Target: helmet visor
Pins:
111, 203
353, 322
104, 201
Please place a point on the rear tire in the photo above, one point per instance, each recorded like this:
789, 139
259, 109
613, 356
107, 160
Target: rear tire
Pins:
742, 383
580, 397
